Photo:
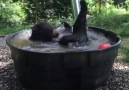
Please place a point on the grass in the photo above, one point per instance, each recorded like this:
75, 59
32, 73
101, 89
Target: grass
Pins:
9, 30
117, 21
124, 49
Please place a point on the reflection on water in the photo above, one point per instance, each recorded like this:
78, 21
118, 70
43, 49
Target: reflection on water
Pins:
21, 40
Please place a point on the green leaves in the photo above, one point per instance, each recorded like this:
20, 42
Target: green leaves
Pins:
48, 9
11, 14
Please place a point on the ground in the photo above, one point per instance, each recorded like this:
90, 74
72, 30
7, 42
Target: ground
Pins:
119, 79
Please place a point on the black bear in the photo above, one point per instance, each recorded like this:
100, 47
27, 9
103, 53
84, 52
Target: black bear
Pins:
79, 28
43, 31
65, 40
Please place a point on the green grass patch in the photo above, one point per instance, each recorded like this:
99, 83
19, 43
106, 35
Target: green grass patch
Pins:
9, 30
124, 49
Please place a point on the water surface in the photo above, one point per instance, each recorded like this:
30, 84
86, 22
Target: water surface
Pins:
21, 40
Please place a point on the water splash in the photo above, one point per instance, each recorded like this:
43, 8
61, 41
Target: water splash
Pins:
21, 40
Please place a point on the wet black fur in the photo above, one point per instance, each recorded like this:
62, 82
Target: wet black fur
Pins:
79, 28
43, 31
65, 40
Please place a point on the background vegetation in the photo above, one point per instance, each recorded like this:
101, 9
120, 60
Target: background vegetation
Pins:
114, 18
112, 15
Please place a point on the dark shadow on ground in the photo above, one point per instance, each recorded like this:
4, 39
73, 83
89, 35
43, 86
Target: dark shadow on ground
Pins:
8, 79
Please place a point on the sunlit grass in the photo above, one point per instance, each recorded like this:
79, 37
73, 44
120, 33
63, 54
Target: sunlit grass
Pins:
124, 49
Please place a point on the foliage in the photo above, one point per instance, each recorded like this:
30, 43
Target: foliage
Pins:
127, 4
109, 17
47, 9
11, 14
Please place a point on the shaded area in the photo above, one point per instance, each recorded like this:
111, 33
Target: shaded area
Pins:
8, 80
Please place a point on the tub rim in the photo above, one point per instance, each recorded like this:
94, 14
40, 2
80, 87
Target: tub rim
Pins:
74, 51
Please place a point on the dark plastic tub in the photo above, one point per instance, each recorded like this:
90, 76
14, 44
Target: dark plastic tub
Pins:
75, 70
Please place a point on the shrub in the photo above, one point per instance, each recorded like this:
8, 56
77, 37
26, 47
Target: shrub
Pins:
11, 14
47, 9
109, 17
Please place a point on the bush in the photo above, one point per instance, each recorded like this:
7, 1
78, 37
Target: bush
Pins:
47, 9
109, 17
11, 14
